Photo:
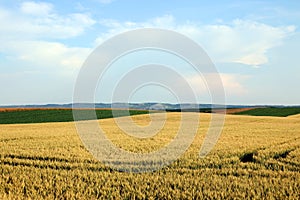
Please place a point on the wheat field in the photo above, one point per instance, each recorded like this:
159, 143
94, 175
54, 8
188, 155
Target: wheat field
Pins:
255, 158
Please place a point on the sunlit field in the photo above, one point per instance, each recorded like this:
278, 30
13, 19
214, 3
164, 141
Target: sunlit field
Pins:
255, 158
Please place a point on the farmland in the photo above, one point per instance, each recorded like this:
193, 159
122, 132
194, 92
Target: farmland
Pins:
15, 116
257, 157
271, 111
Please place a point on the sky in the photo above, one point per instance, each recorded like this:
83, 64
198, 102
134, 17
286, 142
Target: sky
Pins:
254, 45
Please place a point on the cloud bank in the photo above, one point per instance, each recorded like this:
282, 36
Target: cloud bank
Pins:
240, 41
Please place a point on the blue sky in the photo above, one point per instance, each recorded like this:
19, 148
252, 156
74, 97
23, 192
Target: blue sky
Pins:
253, 44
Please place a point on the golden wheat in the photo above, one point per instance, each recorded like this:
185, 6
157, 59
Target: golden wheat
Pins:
255, 158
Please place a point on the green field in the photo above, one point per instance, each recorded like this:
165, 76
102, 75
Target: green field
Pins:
57, 115
65, 115
272, 111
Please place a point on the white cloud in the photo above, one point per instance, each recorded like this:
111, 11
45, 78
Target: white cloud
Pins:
105, 1
240, 41
38, 9
231, 83
116, 27
52, 55
25, 35
40, 21
245, 42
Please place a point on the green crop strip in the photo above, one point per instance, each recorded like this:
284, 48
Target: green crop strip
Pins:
56, 115
271, 111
